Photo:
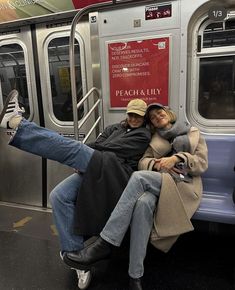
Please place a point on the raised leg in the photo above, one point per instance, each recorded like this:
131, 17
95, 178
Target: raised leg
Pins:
48, 144
41, 141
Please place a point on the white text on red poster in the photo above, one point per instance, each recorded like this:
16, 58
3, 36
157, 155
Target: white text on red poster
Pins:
139, 69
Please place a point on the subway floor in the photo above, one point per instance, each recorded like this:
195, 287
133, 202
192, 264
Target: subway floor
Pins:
29, 251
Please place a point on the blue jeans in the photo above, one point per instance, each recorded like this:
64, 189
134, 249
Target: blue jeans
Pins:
51, 145
135, 208
63, 199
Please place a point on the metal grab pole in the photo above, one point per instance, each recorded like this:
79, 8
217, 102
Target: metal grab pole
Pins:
72, 60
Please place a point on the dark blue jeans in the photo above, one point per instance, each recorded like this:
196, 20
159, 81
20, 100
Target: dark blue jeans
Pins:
51, 145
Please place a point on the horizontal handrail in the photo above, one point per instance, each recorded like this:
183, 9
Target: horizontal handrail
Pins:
88, 114
91, 130
94, 89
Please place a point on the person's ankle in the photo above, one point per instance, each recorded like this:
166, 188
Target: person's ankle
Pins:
135, 284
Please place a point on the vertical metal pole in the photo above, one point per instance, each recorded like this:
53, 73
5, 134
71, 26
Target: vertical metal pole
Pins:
72, 59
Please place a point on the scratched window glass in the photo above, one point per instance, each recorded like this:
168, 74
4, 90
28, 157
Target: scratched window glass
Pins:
13, 74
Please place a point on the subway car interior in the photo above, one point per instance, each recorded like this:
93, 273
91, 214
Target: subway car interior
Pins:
76, 65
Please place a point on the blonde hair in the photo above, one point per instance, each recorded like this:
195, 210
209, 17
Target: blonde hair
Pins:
171, 115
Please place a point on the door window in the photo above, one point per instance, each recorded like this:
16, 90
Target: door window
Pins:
58, 55
13, 74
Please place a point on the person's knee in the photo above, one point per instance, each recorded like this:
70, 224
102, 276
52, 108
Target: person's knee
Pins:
146, 203
141, 178
137, 176
54, 197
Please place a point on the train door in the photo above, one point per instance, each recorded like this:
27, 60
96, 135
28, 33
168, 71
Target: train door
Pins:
20, 172
35, 61
53, 50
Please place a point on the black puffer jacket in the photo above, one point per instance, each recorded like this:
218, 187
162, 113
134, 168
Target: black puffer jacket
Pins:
117, 153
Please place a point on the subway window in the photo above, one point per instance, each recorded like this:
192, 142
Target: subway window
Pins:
58, 55
13, 74
216, 70
216, 87
219, 34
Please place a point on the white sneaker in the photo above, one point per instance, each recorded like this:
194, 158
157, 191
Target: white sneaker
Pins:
84, 279
11, 109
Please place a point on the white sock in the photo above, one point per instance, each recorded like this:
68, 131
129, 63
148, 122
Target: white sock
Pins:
15, 121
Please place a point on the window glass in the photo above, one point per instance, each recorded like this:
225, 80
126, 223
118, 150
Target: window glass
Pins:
58, 54
219, 34
13, 74
217, 88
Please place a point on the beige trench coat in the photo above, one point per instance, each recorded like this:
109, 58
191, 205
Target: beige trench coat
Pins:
177, 201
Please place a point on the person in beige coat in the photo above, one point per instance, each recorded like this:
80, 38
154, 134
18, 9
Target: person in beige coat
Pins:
160, 199
181, 188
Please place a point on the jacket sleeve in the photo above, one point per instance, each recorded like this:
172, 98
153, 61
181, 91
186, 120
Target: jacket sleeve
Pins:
158, 147
148, 160
130, 145
197, 162
103, 136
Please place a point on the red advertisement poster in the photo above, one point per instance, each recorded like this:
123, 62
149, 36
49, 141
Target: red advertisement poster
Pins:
139, 69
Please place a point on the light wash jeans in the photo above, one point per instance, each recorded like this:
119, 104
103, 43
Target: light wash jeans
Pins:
48, 144
135, 208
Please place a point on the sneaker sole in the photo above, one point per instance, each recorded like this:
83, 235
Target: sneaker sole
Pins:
8, 99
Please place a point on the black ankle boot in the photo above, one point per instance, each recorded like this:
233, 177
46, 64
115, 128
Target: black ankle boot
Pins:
95, 252
135, 284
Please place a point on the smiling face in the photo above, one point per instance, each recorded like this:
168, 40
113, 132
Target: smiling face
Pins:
135, 120
160, 119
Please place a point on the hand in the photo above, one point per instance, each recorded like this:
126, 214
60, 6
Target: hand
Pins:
76, 171
156, 165
165, 163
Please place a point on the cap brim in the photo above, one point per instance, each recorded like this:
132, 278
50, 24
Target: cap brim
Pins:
154, 106
140, 113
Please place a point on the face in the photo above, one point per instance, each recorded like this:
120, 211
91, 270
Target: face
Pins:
160, 119
134, 120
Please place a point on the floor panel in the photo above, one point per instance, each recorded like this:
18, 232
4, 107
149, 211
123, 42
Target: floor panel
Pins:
29, 252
